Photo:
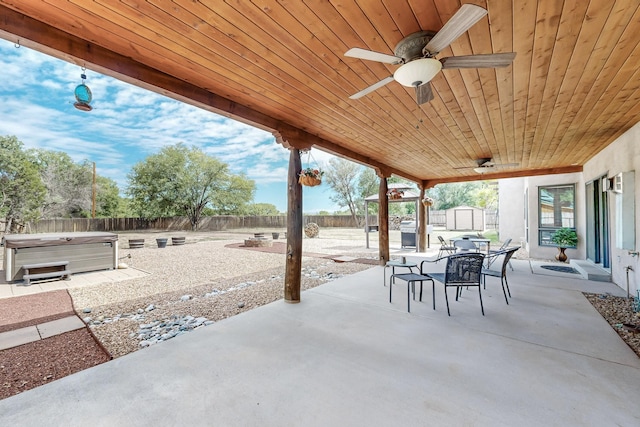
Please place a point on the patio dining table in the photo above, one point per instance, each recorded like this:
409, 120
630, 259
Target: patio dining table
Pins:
481, 240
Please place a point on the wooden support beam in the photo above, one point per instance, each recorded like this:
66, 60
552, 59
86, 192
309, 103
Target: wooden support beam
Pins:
423, 221
293, 269
383, 221
513, 174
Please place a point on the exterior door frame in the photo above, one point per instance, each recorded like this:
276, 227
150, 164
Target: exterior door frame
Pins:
597, 227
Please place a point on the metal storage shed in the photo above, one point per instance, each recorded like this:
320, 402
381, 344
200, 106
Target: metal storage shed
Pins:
463, 218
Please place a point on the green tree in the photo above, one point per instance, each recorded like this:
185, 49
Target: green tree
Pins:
69, 184
108, 200
181, 180
341, 176
486, 196
368, 185
125, 209
238, 191
262, 209
21, 189
455, 194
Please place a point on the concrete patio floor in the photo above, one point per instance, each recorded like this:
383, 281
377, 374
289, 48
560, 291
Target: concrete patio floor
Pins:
345, 356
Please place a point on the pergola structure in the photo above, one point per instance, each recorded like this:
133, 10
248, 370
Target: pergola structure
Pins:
407, 196
573, 88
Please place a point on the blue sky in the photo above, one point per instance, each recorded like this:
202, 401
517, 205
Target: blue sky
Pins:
129, 123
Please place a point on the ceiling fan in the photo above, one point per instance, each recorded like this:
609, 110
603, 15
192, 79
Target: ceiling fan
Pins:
417, 52
486, 165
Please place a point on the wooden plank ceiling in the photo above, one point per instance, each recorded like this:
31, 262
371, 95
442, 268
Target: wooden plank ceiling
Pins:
572, 89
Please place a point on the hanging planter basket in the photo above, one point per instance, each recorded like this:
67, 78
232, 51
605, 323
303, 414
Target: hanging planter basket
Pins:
427, 201
309, 181
395, 194
310, 176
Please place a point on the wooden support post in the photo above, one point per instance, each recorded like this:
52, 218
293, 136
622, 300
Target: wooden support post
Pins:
423, 221
292, 278
383, 221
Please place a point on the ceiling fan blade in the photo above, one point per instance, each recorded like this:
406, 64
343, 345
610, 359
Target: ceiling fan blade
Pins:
371, 88
369, 55
424, 93
459, 23
491, 60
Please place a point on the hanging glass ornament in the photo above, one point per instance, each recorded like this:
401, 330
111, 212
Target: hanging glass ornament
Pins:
83, 95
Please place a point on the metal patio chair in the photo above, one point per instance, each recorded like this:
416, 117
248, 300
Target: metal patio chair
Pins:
465, 245
462, 270
444, 248
502, 273
504, 247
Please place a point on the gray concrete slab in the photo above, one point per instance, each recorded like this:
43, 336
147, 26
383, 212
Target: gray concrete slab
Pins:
74, 281
60, 326
18, 337
346, 356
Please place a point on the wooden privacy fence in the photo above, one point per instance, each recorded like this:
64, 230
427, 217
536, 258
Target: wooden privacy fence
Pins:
211, 223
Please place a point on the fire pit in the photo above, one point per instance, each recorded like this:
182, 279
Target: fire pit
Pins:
258, 241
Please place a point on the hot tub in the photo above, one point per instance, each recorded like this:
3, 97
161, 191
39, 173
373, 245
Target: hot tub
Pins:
86, 251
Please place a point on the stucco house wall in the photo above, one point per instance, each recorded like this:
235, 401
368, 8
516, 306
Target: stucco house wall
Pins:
546, 252
623, 155
520, 194
511, 193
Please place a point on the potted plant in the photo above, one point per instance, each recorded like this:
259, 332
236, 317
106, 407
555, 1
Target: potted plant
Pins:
395, 194
564, 238
310, 177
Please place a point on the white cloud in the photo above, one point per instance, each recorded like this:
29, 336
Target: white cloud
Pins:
127, 123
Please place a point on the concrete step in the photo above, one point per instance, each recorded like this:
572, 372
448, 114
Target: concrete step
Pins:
591, 271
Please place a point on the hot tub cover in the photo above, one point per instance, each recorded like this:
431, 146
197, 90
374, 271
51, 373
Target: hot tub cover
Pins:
57, 239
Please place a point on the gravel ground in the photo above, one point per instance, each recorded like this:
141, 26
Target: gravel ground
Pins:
214, 301
202, 279
618, 311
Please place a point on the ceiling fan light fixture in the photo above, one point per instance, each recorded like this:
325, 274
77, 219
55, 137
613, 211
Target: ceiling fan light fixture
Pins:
481, 170
417, 72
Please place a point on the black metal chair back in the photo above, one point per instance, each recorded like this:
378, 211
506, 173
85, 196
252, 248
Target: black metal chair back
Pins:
493, 252
462, 270
508, 253
502, 273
